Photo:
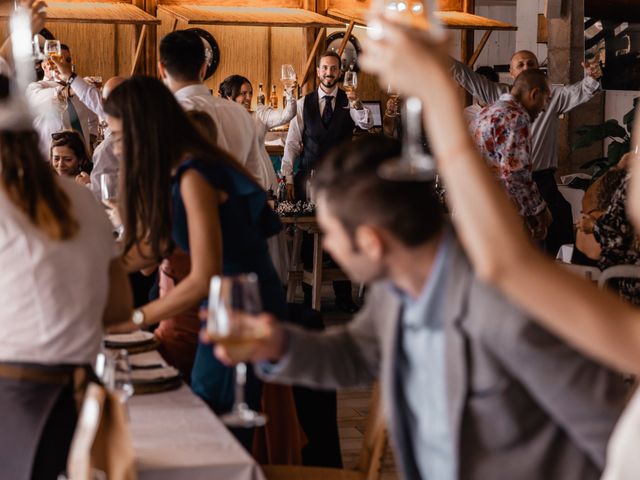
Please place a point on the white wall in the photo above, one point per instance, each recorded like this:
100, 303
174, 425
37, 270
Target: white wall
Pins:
527, 34
501, 44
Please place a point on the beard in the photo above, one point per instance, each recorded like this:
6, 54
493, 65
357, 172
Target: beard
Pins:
329, 82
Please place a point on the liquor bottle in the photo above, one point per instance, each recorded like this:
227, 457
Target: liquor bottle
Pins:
261, 96
284, 99
273, 99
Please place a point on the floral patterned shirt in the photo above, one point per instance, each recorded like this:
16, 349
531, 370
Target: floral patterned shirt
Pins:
618, 241
501, 133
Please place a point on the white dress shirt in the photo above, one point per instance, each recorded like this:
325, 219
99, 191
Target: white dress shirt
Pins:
52, 115
104, 161
267, 118
293, 146
89, 95
54, 293
236, 129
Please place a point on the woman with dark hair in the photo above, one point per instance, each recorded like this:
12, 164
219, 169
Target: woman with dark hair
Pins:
238, 89
69, 156
177, 188
62, 282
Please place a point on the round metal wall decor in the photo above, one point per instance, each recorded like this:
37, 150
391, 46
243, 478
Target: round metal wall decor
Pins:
351, 51
211, 50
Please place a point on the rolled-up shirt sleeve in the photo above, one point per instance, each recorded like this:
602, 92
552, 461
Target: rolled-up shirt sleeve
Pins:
362, 118
89, 95
293, 144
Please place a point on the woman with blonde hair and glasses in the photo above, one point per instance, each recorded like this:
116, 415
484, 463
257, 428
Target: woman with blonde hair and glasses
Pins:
597, 322
61, 282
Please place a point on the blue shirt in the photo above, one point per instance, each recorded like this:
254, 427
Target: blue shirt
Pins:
421, 374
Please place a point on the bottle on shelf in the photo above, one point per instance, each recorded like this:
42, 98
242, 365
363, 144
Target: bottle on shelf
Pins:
273, 99
261, 97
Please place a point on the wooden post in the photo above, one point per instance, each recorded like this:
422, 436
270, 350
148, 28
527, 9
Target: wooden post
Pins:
467, 42
311, 59
345, 39
476, 54
136, 56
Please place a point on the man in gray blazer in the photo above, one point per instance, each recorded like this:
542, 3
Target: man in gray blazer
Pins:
472, 389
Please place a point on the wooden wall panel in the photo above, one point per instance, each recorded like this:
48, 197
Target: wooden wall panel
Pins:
97, 49
444, 5
240, 3
288, 45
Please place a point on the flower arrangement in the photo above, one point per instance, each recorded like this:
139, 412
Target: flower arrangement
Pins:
295, 209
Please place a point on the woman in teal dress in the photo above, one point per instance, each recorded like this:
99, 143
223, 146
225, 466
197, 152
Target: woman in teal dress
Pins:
178, 189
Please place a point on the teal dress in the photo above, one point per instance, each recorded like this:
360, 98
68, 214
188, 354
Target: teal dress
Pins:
246, 222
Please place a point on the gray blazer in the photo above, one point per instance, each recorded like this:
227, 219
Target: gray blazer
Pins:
522, 404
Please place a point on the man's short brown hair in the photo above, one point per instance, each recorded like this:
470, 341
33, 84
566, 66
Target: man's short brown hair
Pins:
348, 179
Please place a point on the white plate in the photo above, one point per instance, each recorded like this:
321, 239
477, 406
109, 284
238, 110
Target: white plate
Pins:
129, 338
153, 375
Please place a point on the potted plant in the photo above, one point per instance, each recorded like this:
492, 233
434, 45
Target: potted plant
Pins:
619, 135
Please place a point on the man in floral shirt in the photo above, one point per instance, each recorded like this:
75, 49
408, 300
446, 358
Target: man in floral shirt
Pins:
501, 132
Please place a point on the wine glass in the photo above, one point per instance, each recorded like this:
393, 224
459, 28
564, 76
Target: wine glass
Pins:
413, 164
109, 188
350, 82
53, 49
230, 299
288, 76
122, 384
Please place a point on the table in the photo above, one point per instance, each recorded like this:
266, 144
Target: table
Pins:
318, 274
176, 436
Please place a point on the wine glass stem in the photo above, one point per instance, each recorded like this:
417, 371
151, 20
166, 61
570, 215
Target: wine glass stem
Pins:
241, 381
412, 142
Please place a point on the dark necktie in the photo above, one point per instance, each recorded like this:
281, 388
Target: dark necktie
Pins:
327, 113
74, 118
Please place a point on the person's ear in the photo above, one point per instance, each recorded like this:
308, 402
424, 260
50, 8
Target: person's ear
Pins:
161, 70
369, 241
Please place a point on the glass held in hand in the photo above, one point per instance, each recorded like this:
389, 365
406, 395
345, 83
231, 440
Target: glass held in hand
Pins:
288, 76
350, 83
232, 301
53, 49
414, 164
109, 187
418, 14
393, 95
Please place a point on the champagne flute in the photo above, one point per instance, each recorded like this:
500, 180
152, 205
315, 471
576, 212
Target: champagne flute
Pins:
413, 164
350, 83
230, 300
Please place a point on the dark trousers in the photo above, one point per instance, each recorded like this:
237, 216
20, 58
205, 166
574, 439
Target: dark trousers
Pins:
561, 229
317, 409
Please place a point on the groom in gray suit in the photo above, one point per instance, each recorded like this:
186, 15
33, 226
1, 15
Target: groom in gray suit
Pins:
472, 389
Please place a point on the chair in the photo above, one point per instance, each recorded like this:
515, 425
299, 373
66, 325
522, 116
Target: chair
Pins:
616, 272
373, 449
590, 273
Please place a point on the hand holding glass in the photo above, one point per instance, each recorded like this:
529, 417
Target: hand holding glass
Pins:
109, 187
288, 76
231, 301
53, 49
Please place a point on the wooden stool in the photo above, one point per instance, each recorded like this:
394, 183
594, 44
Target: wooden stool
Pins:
318, 274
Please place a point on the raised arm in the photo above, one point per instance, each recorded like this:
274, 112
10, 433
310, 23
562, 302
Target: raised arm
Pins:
274, 118
477, 85
595, 321
571, 96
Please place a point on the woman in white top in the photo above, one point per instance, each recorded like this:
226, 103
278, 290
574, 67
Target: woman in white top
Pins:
61, 282
598, 322
238, 89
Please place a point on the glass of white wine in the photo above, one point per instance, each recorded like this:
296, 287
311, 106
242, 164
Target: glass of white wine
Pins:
414, 164
350, 82
288, 76
231, 300
53, 49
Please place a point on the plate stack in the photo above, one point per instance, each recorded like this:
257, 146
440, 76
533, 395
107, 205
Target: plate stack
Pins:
134, 342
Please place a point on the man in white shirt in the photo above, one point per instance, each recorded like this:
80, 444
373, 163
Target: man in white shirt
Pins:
182, 67
104, 159
56, 106
325, 118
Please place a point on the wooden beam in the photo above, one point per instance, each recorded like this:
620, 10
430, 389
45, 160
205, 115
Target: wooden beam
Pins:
345, 39
311, 60
483, 41
175, 24
136, 57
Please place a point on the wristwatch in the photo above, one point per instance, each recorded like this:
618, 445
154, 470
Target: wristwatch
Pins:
138, 317
72, 77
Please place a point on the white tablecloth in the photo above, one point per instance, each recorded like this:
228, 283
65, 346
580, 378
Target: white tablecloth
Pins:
176, 436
